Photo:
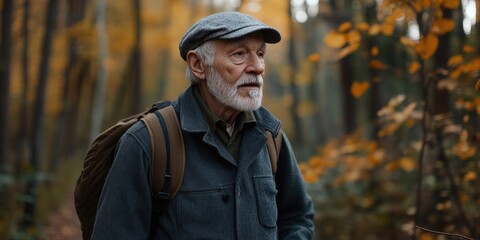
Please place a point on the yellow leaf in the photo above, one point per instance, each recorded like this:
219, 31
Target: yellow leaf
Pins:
443, 25
407, 164
473, 66
407, 42
426, 236
426, 3
314, 57
447, 84
374, 51
409, 108
310, 176
392, 18
374, 29
455, 74
388, 28
335, 39
391, 166
470, 176
388, 130
354, 37
348, 50
418, 6
353, 175
358, 89
363, 26
377, 65
414, 67
468, 49
345, 27
455, 60
427, 46
451, 4
463, 136
463, 149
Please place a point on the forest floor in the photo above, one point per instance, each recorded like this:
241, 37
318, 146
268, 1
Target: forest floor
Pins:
64, 223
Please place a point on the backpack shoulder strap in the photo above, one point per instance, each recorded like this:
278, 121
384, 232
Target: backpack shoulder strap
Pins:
168, 153
173, 142
274, 145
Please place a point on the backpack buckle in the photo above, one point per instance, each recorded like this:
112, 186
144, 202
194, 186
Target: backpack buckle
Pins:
163, 196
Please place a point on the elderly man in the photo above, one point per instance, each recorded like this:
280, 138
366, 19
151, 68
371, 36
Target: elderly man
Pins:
229, 190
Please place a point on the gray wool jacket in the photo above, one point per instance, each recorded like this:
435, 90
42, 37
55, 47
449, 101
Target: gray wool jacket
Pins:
220, 198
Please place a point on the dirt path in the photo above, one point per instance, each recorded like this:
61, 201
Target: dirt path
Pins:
64, 224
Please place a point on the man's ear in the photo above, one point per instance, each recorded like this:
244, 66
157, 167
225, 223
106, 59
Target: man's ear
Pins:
196, 65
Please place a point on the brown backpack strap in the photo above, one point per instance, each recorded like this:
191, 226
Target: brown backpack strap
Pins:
169, 134
177, 149
159, 154
274, 146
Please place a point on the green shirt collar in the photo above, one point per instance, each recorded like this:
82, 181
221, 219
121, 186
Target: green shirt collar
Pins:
214, 122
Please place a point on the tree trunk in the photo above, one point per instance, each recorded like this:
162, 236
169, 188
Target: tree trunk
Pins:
375, 96
38, 112
22, 142
346, 75
165, 53
5, 53
101, 81
298, 135
137, 101
76, 12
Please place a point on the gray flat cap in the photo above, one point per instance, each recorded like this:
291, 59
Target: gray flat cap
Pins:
225, 25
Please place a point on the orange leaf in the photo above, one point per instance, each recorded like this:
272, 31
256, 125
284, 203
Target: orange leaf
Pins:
388, 28
455, 60
358, 89
426, 3
377, 65
414, 67
345, 27
455, 74
392, 18
374, 29
468, 49
426, 236
470, 176
427, 46
407, 164
354, 37
443, 25
363, 26
451, 4
407, 41
314, 57
335, 39
348, 50
477, 86
374, 51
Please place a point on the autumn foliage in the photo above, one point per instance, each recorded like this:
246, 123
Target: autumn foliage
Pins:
414, 143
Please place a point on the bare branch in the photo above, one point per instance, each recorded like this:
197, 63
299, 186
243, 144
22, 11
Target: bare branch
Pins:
443, 233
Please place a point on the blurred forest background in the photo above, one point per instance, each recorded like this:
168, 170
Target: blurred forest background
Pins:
377, 96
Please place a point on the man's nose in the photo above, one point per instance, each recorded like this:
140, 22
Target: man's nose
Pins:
256, 65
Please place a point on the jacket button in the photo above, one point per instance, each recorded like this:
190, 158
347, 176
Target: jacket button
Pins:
226, 198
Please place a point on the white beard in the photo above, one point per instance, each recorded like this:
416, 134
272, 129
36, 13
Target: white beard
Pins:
228, 94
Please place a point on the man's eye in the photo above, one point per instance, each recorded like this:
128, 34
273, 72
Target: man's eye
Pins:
239, 54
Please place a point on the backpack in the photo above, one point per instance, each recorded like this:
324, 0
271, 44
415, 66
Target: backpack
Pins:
168, 162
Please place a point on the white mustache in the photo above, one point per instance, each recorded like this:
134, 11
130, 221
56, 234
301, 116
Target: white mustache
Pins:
250, 79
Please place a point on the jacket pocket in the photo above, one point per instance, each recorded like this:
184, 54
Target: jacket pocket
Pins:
206, 213
266, 201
